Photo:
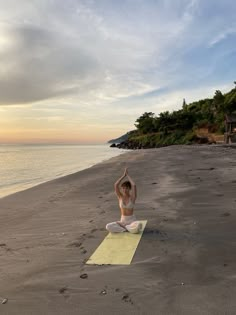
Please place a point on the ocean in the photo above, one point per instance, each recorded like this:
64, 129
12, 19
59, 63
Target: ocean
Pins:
24, 166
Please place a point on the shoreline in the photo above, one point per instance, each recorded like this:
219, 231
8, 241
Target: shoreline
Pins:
186, 257
3, 195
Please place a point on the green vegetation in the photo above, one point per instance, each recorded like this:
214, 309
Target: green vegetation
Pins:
181, 126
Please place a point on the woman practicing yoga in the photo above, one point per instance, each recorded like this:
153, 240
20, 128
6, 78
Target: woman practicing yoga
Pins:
126, 196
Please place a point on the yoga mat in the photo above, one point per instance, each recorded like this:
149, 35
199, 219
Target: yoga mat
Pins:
117, 248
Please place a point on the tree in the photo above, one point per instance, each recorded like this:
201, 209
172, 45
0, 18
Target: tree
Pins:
230, 102
184, 106
146, 123
218, 102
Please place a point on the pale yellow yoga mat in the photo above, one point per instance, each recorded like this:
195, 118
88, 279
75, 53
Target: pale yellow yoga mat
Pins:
117, 248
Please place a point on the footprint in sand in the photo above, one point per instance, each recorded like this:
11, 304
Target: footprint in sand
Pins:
226, 214
78, 242
75, 244
83, 250
155, 234
84, 276
56, 197
127, 298
62, 290
78, 245
7, 249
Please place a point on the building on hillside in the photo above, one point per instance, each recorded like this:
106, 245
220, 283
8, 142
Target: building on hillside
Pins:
230, 128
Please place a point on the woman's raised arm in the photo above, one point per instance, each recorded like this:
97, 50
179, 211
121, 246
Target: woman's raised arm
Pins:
117, 183
133, 186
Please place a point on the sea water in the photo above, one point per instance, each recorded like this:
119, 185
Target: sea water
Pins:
24, 166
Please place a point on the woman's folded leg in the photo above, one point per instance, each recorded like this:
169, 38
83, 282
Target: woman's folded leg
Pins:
114, 227
134, 227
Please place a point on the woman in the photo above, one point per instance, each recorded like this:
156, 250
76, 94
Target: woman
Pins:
126, 196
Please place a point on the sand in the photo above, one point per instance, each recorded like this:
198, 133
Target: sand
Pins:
184, 264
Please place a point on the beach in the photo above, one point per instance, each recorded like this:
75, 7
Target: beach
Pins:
185, 262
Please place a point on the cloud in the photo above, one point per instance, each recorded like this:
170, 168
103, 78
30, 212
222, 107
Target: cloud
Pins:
81, 51
91, 62
222, 35
39, 66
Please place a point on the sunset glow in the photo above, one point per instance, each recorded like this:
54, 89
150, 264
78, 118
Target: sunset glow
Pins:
84, 72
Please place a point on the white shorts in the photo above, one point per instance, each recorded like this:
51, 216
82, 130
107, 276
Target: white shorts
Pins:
128, 221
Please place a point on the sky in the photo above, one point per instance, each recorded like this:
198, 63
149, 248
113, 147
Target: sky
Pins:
83, 71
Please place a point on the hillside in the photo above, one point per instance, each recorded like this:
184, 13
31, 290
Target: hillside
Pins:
121, 138
183, 126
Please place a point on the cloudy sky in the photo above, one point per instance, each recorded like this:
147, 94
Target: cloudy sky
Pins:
82, 71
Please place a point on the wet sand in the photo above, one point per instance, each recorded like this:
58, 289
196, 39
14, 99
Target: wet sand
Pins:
184, 264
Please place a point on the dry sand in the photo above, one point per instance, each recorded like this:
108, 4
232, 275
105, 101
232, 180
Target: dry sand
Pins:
184, 264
